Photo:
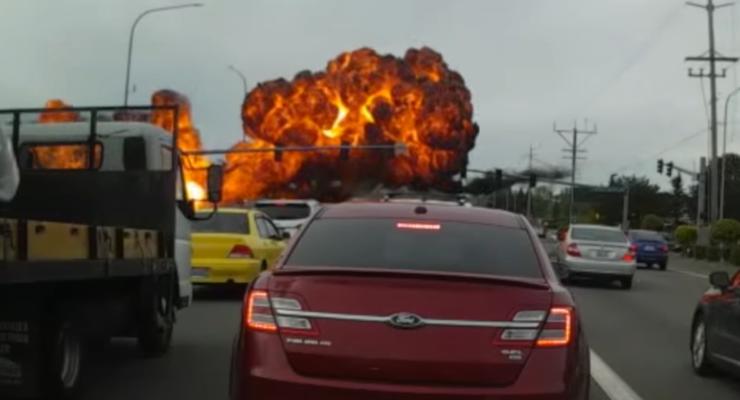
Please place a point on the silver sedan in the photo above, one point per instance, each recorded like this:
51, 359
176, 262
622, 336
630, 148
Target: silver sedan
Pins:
596, 251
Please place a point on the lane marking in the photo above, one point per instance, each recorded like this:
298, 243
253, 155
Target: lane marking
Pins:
608, 380
689, 273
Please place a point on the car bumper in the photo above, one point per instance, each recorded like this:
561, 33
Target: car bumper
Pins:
264, 373
599, 268
220, 271
652, 258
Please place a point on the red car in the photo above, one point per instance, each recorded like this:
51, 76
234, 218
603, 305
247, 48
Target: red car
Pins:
410, 301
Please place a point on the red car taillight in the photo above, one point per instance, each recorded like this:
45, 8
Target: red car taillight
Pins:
631, 253
573, 250
263, 314
259, 312
556, 331
241, 251
664, 248
558, 328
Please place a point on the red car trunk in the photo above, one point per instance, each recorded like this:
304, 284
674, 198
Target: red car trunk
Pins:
459, 341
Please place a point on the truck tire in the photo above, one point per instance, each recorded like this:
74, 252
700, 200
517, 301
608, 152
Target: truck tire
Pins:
156, 314
61, 378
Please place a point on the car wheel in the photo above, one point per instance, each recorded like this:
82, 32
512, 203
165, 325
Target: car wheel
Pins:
699, 360
626, 283
663, 265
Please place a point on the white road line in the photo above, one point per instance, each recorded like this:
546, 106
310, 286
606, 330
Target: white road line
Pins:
609, 381
689, 273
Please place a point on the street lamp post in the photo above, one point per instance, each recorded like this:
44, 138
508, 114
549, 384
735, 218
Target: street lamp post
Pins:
724, 155
241, 75
131, 39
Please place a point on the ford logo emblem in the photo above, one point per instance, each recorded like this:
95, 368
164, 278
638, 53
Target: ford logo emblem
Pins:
406, 321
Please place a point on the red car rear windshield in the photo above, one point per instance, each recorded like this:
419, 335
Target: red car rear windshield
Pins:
417, 245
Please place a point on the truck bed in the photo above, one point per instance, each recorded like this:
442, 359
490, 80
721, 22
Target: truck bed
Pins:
39, 251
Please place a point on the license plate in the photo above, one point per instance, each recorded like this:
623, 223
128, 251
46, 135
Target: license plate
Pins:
602, 253
201, 272
649, 248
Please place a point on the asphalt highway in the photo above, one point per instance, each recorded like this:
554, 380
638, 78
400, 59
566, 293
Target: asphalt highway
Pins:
640, 336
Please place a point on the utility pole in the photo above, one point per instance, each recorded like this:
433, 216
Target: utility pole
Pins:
529, 191
626, 209
701, 192
574, 150
712, 57
724, 155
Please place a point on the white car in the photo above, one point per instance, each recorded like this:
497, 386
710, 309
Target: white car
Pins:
598, 252
288, 215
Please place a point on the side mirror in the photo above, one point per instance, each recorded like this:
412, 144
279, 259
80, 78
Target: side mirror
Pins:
187, 208
720, 280
215, 182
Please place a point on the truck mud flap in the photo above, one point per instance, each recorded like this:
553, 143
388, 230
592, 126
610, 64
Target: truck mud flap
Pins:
20, 339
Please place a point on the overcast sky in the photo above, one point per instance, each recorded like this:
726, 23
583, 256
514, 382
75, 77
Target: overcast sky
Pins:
528, 63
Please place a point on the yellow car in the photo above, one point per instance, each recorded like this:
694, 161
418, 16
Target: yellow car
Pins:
234, 246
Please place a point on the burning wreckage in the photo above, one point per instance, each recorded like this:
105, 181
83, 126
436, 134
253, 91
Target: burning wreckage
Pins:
362, 101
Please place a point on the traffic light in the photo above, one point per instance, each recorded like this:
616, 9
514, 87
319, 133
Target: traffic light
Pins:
532, 180
660, 166
499, 179
669, 170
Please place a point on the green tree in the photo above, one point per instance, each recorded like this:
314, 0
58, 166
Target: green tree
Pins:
645, 198
520, 201
686, 236
726, 231
732, 186
652, 222
542, 199
679, 198
556, 210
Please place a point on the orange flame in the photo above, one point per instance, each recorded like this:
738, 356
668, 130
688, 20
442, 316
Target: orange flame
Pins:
362, 98
62, 156
50, 116
188, 138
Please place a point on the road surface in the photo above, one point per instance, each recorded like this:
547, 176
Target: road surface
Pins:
641, 335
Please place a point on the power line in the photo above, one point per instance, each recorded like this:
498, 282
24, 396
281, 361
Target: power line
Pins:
637, 55
673, 146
